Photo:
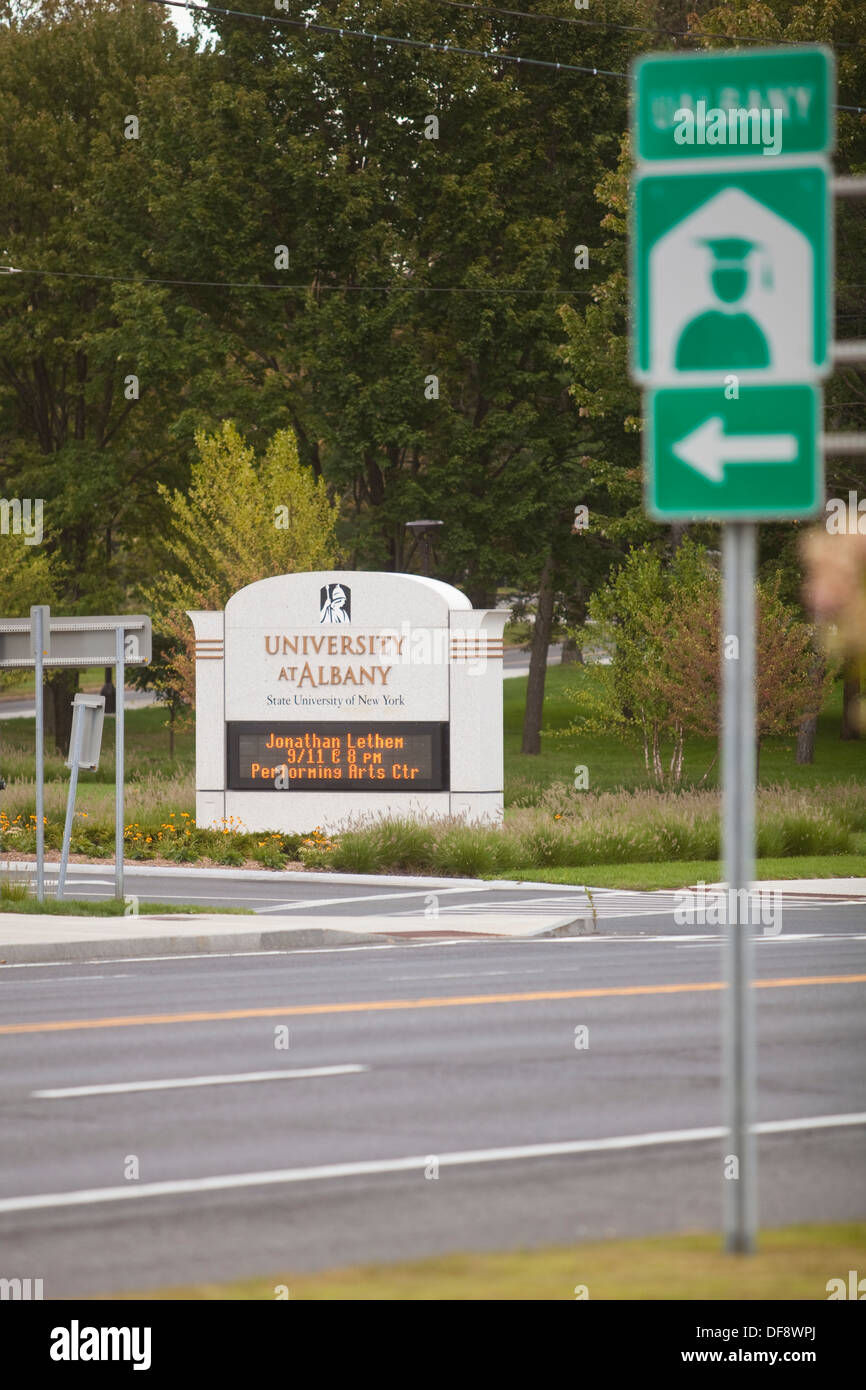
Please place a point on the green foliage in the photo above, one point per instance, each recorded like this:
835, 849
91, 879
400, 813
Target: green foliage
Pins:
660, 622
597, 829
243, 519
27, 576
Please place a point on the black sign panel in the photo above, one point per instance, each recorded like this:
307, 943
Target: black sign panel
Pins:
335, 757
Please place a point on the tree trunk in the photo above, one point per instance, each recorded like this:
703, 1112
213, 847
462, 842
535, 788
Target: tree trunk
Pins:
850, 698
676, 767
806, 739
571, 652
538, 662
171, 731
658, 770
809, 723
59, 688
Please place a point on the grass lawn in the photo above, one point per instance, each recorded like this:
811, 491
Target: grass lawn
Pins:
147, 745
90, 678
613, 764
687, 872
620, 832
794, 1263
105, 907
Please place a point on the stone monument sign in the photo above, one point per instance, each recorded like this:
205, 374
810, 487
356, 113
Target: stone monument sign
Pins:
322, 697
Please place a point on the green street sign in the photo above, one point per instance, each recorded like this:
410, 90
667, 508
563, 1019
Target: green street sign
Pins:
722, 105
751, 457
731, 275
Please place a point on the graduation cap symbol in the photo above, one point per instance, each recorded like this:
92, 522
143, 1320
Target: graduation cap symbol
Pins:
730, 274
726, 338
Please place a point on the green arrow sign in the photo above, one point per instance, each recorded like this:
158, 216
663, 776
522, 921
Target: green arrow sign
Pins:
731, 273
711, 106
749, 458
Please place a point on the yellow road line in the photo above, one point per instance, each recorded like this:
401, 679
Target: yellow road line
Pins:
440, 1002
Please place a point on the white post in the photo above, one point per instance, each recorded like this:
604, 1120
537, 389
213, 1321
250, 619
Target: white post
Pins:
38, 617
740, 1184
78, 726
119, 679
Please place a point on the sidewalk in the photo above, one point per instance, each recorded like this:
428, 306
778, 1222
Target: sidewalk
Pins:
27, 938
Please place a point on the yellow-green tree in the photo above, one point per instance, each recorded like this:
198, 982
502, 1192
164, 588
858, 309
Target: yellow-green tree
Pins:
26, 577
242, 519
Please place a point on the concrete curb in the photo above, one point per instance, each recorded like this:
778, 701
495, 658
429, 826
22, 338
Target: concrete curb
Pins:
106, 867
820, 886
54, 940
145, 947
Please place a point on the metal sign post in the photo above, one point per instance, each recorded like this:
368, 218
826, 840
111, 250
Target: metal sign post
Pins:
81, 642
738, 829
70, 807
39, 619
119, 656
87, 720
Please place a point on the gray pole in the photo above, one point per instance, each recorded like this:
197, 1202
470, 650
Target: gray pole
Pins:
740, 1182
119, 679
70, 804
37, 614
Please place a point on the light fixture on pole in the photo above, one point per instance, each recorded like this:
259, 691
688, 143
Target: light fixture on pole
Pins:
422, 530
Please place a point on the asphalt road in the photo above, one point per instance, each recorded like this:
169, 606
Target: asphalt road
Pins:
431, 901
13, 708
467, 1080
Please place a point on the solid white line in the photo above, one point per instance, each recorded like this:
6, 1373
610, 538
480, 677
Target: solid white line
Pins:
117, 1088
232, 955
70, 979
368, 898
373, 1167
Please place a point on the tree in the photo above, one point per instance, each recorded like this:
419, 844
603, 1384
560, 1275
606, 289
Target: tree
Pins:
662, 624
416, 348
790, 685
242, 519
629, 619
97, 374
27, 577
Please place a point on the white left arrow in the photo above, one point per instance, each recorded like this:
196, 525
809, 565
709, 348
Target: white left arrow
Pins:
707, 449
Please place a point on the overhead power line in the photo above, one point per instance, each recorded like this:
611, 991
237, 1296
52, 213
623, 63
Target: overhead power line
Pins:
257, 284
623, 28
344, 32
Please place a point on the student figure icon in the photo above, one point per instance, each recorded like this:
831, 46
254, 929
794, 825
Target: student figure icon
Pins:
723, 338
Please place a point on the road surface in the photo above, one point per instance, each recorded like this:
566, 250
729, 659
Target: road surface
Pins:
456, 1057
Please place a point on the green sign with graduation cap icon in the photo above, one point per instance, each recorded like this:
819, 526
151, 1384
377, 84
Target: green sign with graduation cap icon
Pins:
731, 273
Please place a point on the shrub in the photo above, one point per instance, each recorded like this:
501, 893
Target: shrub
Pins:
469, 852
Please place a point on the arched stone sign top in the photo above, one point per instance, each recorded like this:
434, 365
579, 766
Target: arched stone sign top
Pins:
324, 697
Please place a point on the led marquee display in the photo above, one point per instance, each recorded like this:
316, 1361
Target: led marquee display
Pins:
360, 756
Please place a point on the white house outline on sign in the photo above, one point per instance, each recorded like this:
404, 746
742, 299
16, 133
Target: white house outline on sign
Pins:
680, 289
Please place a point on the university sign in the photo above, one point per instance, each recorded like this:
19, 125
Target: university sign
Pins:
325, 696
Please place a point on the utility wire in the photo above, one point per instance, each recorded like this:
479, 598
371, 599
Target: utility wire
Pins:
344, 32
624, 28
433, 47
257, 285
